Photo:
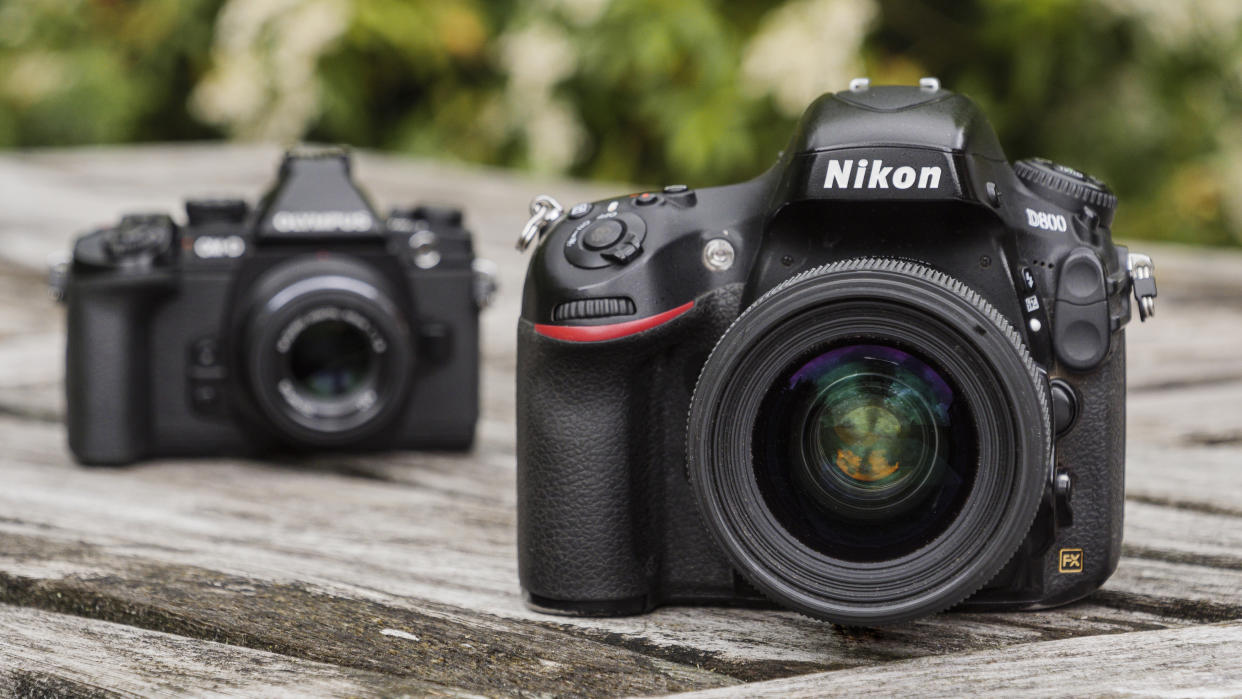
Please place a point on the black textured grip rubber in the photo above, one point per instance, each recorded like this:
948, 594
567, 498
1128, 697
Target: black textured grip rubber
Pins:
596, 434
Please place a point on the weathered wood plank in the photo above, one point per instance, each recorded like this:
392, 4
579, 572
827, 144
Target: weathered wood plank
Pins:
44, 654
433, 644
1188, 535
341, 627
1179, 662
439, 538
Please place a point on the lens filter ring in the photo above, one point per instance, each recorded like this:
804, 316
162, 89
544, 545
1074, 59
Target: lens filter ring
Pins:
327, 351
792, 550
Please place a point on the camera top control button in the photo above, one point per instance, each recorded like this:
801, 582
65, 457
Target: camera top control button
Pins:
449, 216
581, 209
681, 194
646, 199
140, 234
611, 238
603, 234
1028, 279
623, 253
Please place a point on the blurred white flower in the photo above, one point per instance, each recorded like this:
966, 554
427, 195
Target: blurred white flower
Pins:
553, 137
17, 20
538, 56
34, 76
806, 48
1180, 22
262, 84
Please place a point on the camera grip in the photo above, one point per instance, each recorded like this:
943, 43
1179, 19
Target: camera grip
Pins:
576, 534
107, 367
600, 430
1093, 452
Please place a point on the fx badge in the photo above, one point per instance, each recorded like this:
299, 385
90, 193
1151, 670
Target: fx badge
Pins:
1070, 561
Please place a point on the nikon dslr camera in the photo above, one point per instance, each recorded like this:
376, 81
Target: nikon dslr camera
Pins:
307, 322
884, 377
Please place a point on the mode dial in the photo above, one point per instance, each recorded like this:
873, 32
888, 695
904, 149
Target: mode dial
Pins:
1068, 187
139, 236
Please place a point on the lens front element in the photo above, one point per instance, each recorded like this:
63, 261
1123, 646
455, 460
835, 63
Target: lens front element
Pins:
868, 427
863, 451
330, 359
331, 362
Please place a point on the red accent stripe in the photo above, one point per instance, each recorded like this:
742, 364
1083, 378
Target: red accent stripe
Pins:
598, 333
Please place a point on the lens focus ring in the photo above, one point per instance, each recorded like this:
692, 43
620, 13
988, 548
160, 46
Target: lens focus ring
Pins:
327, 350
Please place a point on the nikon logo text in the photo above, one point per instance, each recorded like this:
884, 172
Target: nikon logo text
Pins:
844, 174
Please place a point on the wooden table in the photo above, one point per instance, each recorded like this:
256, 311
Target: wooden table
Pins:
395, 574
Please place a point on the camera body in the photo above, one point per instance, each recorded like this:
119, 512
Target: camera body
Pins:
307, 322
644, 317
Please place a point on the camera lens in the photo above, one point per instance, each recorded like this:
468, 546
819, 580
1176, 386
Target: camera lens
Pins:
869, 441
864, 450
331, 359
328, 350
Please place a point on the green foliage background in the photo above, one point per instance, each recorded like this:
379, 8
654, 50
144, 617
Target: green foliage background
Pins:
1146, 94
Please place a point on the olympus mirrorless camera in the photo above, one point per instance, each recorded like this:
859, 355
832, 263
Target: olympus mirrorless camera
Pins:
884, 377
307, 322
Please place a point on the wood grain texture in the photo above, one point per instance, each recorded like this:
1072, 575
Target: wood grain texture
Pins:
418, 540
398, 571
44, 654
1203, 660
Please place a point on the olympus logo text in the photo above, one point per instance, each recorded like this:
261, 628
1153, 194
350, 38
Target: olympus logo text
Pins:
846, 174
322, 221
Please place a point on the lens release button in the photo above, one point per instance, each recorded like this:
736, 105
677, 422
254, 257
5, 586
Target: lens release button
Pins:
603, 234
